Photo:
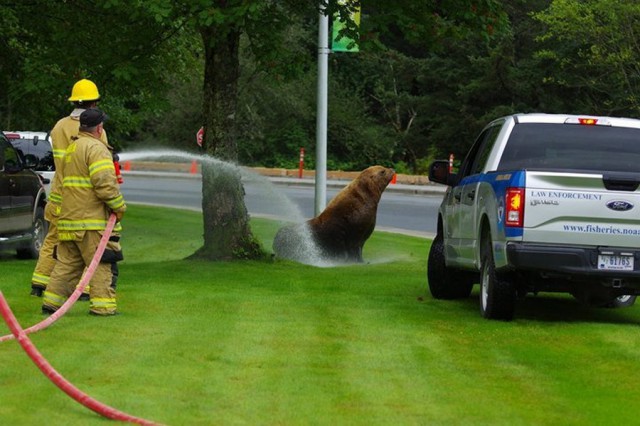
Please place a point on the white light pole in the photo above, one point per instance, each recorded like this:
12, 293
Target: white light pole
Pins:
321, 120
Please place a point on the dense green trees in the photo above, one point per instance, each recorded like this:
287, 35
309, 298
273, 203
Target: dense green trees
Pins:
594, 48
47, 45
423, 83
147, 59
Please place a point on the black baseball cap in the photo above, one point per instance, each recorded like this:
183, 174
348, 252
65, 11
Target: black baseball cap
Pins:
91, 117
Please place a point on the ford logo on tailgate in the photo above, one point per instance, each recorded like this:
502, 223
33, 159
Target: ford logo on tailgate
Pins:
619, 206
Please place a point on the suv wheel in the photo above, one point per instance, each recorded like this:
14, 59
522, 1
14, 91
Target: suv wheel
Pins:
497, 294
605, 301
38, 233
445, 282
623, 301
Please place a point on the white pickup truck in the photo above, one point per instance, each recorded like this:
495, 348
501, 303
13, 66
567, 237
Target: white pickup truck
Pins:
541, 203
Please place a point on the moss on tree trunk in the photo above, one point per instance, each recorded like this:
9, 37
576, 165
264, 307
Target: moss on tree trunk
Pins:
227, 234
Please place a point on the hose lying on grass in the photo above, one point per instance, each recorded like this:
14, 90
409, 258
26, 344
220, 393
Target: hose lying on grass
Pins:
55, 377
86, 277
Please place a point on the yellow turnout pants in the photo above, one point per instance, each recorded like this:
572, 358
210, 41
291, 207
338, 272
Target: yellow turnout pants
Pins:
42, 272
73, 257
46, 260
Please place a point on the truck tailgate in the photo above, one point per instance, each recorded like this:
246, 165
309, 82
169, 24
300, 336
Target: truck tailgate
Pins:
573, 208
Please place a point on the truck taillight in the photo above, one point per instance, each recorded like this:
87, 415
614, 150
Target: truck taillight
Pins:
588, 121
514, 202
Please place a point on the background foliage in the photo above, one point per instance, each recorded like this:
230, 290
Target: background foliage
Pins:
425, 81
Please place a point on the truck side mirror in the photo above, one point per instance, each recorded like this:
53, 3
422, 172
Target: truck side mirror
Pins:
439, 173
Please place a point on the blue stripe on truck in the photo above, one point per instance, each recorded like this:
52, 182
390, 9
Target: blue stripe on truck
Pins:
499, 182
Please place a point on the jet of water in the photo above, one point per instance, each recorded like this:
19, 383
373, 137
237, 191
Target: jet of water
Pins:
285, 211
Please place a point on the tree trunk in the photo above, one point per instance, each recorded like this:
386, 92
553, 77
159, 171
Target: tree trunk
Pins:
227, 234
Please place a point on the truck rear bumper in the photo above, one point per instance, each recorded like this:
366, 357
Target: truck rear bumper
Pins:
577, 263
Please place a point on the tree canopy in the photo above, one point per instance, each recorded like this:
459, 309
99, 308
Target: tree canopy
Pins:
594, 47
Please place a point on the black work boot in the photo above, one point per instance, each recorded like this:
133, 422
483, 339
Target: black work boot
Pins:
84, 297
47, 310
37, 290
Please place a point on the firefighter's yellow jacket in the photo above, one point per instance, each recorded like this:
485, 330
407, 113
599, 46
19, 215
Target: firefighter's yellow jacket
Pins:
65, 129
90, 190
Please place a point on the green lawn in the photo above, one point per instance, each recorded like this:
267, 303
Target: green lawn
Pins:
202, 343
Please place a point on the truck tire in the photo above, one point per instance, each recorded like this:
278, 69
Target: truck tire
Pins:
497, 294
445, 282
38, 232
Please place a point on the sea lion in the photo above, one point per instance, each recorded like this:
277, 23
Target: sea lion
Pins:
338, 233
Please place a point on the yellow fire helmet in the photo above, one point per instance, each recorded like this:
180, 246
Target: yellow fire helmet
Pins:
84, 90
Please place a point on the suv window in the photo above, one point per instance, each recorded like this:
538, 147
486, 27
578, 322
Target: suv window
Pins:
35, 150
9, 162
572, 147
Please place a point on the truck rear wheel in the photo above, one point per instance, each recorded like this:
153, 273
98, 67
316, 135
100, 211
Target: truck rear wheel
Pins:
445, 282
497, 294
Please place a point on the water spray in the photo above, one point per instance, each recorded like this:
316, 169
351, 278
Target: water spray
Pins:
288, 212
86, 277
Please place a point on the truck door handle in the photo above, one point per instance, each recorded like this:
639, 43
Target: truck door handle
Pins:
471, 194
457, 196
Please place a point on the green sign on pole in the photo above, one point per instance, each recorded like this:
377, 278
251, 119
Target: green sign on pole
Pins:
344, 43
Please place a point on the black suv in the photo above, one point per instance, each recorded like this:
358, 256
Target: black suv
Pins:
35, 147
22, 202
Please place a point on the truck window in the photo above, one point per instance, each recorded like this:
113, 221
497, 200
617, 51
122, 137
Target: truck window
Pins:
490, 136
479, 154
571, 147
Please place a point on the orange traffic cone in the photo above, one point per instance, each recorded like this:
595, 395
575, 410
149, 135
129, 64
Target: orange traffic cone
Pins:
127, 165
194, 167
394, 178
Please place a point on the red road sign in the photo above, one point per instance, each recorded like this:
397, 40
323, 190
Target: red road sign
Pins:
199, 136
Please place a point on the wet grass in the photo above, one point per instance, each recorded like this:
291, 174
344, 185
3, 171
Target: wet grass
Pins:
202, 343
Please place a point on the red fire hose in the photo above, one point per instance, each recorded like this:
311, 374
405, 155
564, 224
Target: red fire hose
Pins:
21, 335
86, 277
55, 377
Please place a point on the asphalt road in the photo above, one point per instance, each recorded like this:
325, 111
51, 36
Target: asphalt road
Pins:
399, 210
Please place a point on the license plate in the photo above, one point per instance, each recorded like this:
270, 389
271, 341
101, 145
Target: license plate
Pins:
615, 263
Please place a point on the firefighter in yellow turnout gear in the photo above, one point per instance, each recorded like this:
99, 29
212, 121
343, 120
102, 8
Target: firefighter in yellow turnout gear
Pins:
90, 193
84, 94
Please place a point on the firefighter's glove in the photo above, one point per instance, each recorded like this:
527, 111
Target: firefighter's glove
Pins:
119, 215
